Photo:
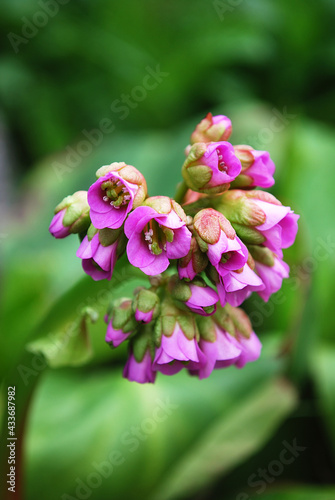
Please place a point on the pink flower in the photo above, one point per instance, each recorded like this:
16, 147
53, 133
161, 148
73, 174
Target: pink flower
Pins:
157, 232
257, 168
176, 352
118, 190
272, 276
57, 228
280, 226
235, 287
98, 261
203, 300
139, 371
251, 349
210, 168
71, 216
193, 263
212, 129
221, 353
225, 250
114, 336
146, 305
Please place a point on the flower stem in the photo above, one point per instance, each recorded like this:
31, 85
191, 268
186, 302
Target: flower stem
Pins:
181, 191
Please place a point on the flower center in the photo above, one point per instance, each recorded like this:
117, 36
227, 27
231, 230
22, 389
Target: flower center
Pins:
115, 193
221, 164
225, 257
156, 237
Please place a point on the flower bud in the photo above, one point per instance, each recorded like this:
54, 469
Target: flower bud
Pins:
99, 251
212, 129
226, 339
146, 305
272, 224
257, 168
71, 216
193, 263
139, 367
121, 324
176, 339
271, 269
210, 168
196, 295
119, 189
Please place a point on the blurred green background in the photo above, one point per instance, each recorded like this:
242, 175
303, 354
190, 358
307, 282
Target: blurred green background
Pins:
132, 79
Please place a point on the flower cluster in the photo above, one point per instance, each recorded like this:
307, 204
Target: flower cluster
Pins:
204, 253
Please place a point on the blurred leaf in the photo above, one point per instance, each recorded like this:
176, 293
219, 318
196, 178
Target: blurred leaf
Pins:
300, 493
323, 369
69, 347
240, 432
93, 413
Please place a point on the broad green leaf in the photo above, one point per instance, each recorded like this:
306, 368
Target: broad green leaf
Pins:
93, 413
323, 370
69, 346
67, 342
301, 493
234, 437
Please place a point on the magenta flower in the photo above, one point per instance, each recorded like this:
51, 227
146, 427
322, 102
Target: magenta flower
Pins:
115, 337
227, 255
146, 317
146, 305
157, 232
225, 250
193, 263
203, 300
176, 352
280, 226
71, 216
118, 190
221, 353
57, 228
251, 349
272, 276
98, 261
212, 129
210, 168
139, 371
235, 287
257, 168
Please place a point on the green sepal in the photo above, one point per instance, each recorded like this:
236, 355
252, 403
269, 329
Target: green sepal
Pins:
262, 254
109, 236
248, 235
206, 327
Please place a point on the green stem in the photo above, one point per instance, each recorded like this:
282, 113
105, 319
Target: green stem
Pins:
181, 191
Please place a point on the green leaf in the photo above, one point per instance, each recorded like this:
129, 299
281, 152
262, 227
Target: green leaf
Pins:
67, 341
94, 413
239, 433
323, 369
69, 346
310, 493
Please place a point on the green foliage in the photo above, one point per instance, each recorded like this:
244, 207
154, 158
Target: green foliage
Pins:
264, 61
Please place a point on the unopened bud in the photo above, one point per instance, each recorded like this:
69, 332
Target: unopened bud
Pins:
71, 216
210, 168
212, 129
